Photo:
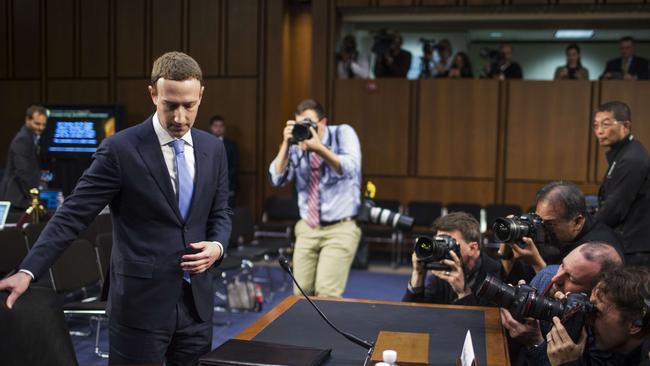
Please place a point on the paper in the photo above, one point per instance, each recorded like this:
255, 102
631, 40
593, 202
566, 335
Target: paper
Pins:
467, 355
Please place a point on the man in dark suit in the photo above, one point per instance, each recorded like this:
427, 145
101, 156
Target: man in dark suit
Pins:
166, 185
218, 128
23, 171
628, 66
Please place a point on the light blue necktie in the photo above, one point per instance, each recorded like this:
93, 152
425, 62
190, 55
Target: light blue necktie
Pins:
184, 184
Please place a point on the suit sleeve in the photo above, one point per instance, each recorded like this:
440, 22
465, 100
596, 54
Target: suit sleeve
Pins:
219, 219
99, 184
627, 178
27, 173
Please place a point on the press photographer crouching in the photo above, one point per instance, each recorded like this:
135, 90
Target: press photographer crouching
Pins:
579, 273
562, 223
620, 323
456, 246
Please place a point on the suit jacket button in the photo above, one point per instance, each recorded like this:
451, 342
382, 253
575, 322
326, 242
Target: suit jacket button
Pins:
186, 229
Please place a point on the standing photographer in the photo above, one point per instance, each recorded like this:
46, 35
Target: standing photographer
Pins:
391, 61
325, 162
454, 286
350, 64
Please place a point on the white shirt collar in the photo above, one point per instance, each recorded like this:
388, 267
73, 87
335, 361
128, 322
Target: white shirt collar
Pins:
164, 138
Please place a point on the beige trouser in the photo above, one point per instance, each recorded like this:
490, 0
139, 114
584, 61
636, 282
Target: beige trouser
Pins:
322, 257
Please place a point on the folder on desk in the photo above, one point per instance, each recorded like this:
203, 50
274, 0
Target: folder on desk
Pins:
237, 352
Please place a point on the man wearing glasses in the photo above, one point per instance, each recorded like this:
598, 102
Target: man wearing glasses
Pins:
624, 195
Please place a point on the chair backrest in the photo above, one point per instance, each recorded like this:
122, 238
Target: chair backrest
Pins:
473, 209
76, 267
281, 208
243, 229
32, 232
103, 250
389, 204
494, 211
34, 331
424, 213
13, 250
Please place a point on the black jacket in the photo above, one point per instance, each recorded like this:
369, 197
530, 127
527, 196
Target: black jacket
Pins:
232, 154
624, 195
22, 171
638, 67
438, 291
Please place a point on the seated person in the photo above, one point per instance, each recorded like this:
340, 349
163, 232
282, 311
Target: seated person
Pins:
628, 66
455, 285
620, 322
573, 70
579, 272
567, 224
461, 67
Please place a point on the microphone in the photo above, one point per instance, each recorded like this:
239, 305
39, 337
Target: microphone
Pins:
284, 263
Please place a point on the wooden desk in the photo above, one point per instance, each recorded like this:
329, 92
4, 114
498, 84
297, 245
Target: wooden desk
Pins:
495, 340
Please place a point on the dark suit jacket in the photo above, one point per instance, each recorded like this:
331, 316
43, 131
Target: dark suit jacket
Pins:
129, 173
232, 153
638, 67
22, 171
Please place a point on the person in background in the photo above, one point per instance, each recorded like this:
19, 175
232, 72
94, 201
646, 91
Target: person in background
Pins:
461, 67
573, 70
218, 129
507, 68
628, 66
445, 59
350, 64
395, 62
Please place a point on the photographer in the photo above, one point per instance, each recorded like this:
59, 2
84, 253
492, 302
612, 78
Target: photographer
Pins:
445, 59
566, 224
350, 64
579, 272
454, 286
505, 68
620, 322
326, 165
391, 61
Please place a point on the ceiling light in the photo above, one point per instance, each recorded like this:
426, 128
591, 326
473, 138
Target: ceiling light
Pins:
574, 33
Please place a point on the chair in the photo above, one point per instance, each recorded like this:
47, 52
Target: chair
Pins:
13, 250
382, 234
34, 331
473, 209
494, 211
279, 217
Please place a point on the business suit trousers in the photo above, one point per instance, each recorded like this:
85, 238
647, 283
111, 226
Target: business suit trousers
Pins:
322, 257
180, 342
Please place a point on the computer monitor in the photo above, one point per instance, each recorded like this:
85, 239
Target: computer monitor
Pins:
4, 211
50, 198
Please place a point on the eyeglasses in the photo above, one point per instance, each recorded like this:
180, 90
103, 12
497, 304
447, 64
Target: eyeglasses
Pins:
604, 125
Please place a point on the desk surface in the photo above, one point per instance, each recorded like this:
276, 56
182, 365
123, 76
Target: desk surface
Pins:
294, 322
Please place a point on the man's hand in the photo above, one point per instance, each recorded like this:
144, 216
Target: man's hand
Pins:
528, 333
561, 348
287, 133
455, 276
529, 254
17, 284
313, 143
564, 72
628, 76
419, 272
201, 261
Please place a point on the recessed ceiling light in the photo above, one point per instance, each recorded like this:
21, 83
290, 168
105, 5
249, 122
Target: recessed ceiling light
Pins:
496, 34
574, 33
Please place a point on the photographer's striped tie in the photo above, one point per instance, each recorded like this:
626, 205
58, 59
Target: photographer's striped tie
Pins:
313, 200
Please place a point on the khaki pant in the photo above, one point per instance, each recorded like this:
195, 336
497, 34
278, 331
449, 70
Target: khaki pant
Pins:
322, 257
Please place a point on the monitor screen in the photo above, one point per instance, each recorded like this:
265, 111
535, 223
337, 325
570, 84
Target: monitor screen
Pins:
78, 129
4, 211
50, 198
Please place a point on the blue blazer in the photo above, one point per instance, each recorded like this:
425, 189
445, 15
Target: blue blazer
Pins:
128, 173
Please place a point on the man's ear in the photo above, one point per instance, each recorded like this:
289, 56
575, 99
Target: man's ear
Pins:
474, 245
154, 94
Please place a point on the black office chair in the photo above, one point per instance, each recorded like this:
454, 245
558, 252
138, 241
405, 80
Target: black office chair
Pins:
473, 209
279, 217
13, 250
34, 332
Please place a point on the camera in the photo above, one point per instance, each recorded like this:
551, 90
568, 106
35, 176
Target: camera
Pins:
523, 301
431, 251
370, 213
301, 130
512, 230
493, 57
383, 42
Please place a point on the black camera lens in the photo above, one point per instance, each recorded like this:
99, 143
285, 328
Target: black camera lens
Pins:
513, 230
498, 292
432, 250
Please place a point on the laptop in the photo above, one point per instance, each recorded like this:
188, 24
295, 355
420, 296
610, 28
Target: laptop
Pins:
4, 211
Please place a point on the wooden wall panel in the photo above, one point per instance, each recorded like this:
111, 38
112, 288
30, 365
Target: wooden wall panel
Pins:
634, 94
353, 3
407, 189
60, 38
523, 193
26, 39
623, 1
4, 44
438, 2
130, 51
457, 128
94, 38
77, 92
380, 118
548, 130
236, 101
247, 196
528, 2
563, 2
205, 35
166, 27
242, 44
484, 2
13, 104
390, 3
134, 95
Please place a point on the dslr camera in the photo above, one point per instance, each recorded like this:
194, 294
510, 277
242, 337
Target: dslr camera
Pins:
523, 301
431, 251
370, 213
301, 130
513, 230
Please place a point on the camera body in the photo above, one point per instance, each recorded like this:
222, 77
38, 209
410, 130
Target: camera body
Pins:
370, 213
513, 230
301, 132
430, 251
523, 301
492, 58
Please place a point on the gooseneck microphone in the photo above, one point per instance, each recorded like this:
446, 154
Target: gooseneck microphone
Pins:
284, 263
